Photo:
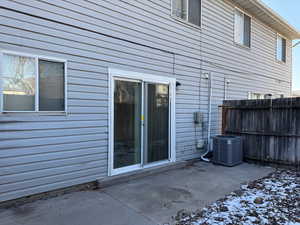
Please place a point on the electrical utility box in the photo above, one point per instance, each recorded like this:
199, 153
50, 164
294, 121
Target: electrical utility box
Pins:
198, 117
227, 150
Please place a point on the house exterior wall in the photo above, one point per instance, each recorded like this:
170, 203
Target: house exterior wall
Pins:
41, 152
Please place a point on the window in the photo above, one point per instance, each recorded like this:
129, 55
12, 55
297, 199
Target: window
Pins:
252, 95
187, 10
242, 30
281, 49
32, 84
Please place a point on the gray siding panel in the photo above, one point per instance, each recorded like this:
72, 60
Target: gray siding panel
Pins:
43, 152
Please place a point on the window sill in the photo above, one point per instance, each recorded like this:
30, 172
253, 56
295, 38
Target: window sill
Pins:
49, 113
186, 23
242, 46
280, 62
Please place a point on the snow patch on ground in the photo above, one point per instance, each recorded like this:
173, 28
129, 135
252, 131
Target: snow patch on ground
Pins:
271, 200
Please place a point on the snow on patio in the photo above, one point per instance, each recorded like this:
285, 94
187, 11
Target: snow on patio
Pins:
271, 200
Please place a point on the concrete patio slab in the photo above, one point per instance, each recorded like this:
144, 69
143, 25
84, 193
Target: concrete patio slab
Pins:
151, 200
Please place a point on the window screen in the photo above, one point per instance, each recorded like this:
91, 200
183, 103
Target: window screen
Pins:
195, 12
247, 30
51, 86
281, 49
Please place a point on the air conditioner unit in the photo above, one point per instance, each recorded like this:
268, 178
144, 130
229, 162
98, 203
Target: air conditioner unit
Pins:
227, 150
268, 96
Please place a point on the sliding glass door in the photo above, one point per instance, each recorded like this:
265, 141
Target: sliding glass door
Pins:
156, 138
127, 123
141, 123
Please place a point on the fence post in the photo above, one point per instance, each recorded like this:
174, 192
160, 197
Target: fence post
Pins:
224, 119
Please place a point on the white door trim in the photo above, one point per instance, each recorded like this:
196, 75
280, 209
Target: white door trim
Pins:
130, 75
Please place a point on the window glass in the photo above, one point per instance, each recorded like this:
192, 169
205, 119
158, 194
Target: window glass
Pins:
281, 49
179, 8
18, 83
239, 27
253, 95
242, 28
247, 30
188, 10
195, 12
127, 123
51, 86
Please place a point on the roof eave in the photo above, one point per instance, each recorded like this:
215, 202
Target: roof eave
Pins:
264, 13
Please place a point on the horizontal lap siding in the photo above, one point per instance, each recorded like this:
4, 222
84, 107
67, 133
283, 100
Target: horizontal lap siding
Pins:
259, 70
44, 152
40, 153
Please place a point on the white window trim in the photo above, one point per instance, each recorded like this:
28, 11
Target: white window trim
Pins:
251, 17
243, 11
186, 22
252, 93
283, 37
136, 76
37, 58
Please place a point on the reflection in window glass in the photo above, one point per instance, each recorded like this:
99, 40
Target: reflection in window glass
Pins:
179, 9
253, 95
188, 10
18, 83
127, 123
157, 122
242, 29
51, 86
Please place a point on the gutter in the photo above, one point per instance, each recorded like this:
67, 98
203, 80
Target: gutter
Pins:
295, 45
278, 18
269, 17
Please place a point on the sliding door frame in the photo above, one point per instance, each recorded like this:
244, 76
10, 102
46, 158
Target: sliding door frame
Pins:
142, 77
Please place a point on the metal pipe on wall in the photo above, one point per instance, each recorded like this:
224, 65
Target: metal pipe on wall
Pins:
210, 91
226, 86
209, 110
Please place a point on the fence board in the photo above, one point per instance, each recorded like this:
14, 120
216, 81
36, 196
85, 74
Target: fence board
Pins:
270, 128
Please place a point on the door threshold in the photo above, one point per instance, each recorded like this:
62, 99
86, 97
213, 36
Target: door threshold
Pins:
155, 164
134, 168
140, 173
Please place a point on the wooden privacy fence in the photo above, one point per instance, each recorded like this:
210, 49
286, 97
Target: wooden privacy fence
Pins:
270, 129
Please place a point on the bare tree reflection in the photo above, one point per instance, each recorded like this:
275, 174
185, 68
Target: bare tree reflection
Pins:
18, 82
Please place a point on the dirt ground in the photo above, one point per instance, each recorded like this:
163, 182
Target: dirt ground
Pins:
272, 200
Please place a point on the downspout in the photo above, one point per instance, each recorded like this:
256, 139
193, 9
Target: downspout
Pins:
208, 145
291, 84
209, 112
298, 43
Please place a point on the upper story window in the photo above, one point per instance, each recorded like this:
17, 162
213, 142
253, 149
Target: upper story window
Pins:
32, 84
242, 28
281, 49
187, 10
